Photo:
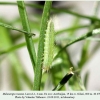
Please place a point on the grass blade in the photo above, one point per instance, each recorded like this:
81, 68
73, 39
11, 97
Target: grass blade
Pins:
38, 70
85, 36
13, 28
64, 80
26, 27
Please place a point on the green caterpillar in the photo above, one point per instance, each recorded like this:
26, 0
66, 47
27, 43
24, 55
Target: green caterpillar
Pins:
48, 46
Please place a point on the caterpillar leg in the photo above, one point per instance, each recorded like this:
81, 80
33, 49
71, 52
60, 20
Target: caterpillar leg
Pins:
45, 69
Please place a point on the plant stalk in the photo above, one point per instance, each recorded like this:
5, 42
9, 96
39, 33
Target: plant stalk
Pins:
26, 27
38, 70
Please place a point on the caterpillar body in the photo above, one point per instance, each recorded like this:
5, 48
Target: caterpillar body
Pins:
48, 46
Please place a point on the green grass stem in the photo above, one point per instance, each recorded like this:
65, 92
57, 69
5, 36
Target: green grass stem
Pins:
38, 70
26, 27
13, 28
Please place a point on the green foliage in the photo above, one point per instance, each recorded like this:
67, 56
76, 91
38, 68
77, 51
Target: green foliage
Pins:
59, 60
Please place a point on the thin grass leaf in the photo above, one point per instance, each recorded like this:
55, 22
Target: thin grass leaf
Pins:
13, 28
64, 80
26, 27
57, 74
84, 54
86, 77
89, 34
15, 79
38, 70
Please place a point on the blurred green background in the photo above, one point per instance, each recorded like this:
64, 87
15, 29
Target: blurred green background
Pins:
74, 19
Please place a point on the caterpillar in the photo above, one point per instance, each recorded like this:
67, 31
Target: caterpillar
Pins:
48, 46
